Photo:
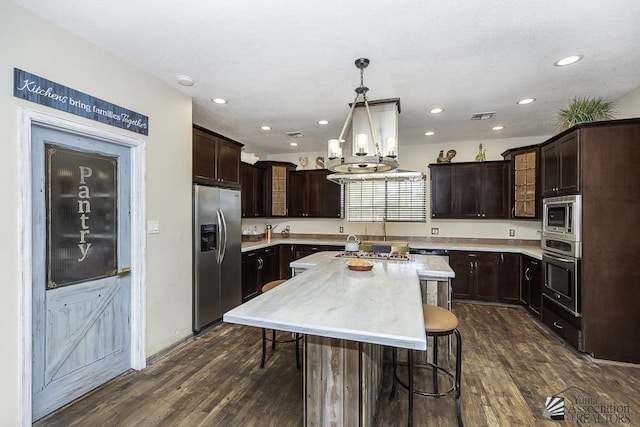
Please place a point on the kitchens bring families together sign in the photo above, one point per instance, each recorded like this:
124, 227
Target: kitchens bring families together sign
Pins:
45, 92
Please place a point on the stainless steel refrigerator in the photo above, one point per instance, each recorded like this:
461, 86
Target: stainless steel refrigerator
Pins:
216, 253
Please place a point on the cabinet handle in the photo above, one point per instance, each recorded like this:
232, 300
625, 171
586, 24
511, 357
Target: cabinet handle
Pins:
502, 258
513, 211
557, 326
526, 274
251, 254
478, 214
476, 265
260, 263
534, 262
470, 267
483, 215
267, 250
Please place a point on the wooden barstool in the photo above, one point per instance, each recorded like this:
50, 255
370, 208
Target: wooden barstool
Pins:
438, 322
297, 337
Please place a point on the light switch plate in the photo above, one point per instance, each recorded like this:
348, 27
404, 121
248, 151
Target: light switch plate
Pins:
435, 231
512, 232
153, 226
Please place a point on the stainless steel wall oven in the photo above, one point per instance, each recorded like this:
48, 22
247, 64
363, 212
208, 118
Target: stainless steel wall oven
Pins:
562, 281
562, 251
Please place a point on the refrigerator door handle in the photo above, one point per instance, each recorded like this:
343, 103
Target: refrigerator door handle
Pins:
219, 237
224, 231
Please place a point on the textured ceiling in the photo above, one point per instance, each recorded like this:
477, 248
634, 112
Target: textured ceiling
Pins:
290, 63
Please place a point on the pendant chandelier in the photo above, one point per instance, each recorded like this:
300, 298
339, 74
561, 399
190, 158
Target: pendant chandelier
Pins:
374, 138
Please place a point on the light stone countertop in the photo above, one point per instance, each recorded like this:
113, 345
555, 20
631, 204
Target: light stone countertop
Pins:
381, 306
532, 251
430, 267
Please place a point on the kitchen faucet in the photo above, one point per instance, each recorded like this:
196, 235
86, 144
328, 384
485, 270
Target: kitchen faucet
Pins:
384, 228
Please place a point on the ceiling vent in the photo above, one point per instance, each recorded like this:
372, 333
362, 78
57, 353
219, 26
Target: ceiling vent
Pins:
483, 116
296, 134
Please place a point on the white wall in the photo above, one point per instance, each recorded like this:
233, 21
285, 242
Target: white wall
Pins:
33, 45
628, 106
418, 157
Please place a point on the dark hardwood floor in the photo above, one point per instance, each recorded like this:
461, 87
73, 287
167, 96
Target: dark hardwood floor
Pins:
511, 364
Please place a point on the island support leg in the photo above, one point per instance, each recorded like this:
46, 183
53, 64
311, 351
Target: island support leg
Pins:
342, 381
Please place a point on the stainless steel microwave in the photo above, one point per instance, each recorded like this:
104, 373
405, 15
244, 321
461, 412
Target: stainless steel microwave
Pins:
562, 217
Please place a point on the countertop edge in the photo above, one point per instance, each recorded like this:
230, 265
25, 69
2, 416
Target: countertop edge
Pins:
532, 251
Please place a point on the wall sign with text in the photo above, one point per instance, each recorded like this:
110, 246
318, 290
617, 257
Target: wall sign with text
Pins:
45, 92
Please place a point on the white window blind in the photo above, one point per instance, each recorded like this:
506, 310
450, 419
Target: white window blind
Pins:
397, 201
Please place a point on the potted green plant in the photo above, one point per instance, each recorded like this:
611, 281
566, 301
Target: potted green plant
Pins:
588, 109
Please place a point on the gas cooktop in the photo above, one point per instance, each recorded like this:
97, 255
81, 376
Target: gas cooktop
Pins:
398, 256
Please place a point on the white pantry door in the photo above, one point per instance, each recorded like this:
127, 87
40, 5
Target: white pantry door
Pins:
81, 256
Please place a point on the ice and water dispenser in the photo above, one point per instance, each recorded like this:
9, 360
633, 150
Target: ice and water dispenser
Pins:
208, 237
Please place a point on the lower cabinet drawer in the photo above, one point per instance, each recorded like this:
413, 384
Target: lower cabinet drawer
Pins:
564, 324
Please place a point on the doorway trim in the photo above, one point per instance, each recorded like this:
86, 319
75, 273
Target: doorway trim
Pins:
26, 118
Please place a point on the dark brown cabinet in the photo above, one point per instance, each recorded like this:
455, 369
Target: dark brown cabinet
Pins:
525, 196
470, 190
560, 160
252, 187
509, 281
485, 276
477, 275
441, 191
275, 187
531, 284
215, 159
312, 195
258, 267
286, 255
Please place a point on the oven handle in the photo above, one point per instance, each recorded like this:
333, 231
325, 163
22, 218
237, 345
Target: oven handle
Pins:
557, 258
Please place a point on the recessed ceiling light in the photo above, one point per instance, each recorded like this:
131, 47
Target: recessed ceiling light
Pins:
265, 127
293, 144
567, 60
430, 133
323, 122
526, 101
219, 101
497, 127
436, 110
185, 80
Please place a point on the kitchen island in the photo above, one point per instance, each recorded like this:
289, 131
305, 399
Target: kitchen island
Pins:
347, 317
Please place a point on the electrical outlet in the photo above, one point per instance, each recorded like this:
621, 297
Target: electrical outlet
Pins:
435, 231
153, 226
342, 229
512, 232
